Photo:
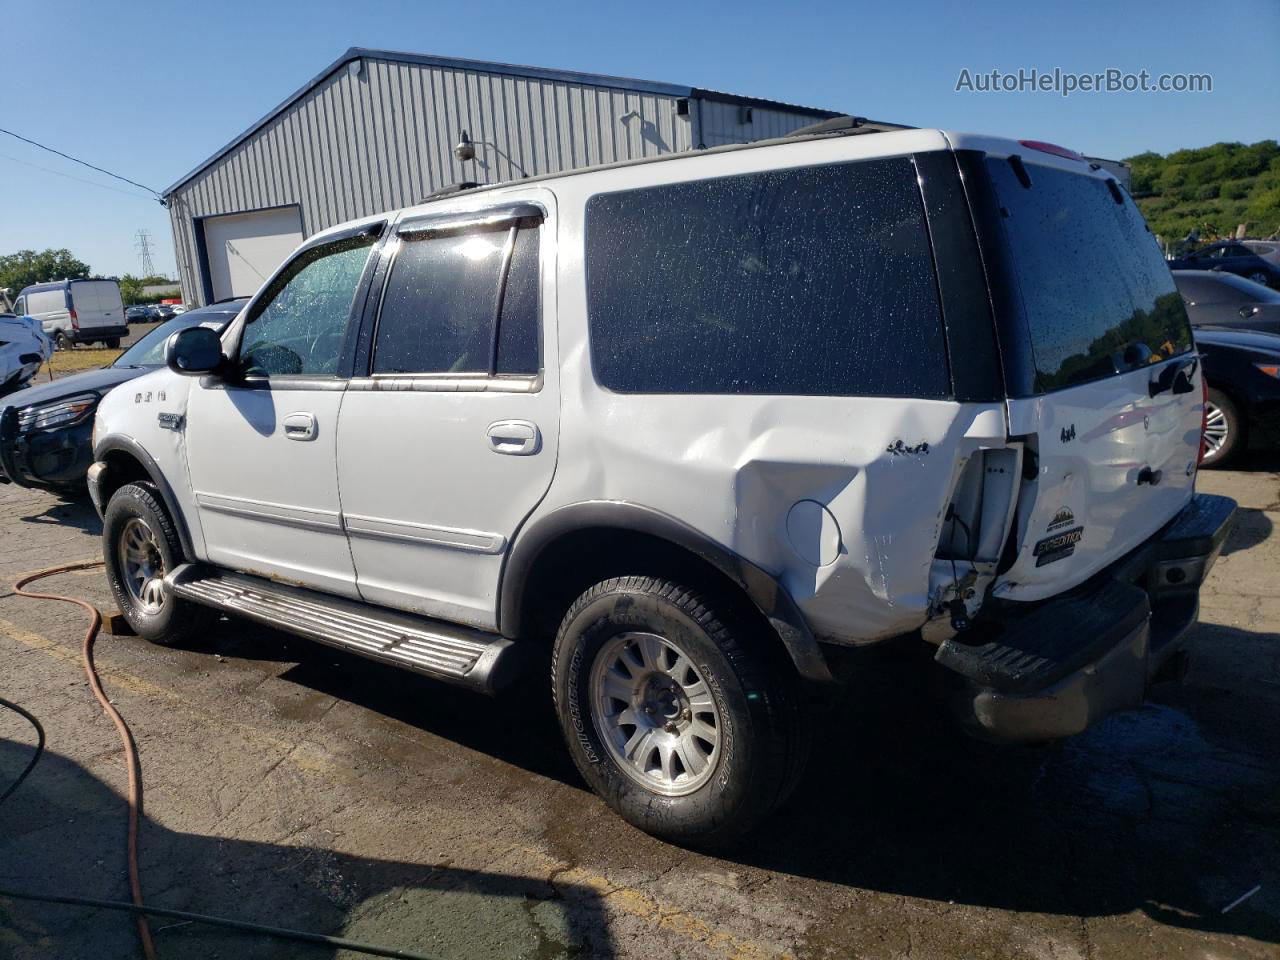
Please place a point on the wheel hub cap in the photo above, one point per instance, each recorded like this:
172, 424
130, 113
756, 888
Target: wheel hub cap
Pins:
655, 713
143, 566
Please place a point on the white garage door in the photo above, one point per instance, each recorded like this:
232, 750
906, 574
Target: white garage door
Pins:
245, 248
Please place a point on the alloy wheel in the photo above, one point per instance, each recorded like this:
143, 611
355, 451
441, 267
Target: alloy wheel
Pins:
655, 713
1216, 429
142, 565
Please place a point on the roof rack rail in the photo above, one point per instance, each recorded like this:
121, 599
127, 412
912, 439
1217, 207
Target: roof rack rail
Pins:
847, 124
450, 189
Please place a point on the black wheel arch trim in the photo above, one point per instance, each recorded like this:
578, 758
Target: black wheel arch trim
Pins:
118, 443
768, 595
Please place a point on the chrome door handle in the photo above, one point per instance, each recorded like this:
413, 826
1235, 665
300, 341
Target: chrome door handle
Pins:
518, 438
300, 426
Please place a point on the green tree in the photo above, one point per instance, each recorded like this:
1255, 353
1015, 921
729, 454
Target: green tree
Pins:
21, 269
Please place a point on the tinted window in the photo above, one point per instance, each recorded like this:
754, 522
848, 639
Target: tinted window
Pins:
302, 327
1098, 297
810, 281
441, 301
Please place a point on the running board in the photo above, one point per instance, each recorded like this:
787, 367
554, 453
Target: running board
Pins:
470, 658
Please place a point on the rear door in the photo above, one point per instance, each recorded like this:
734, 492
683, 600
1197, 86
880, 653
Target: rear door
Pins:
96, 303
1111, 409
450, 441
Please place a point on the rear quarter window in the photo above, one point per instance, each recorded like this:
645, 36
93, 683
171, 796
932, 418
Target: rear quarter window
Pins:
1096, 293
816, 280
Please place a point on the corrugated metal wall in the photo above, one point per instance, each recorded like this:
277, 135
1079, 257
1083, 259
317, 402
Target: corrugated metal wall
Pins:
381, 137
361, 143
723, 123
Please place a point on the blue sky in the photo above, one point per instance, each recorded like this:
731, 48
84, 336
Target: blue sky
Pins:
151, 89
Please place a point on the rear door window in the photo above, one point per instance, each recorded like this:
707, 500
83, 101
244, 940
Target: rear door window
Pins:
448, 309
816, 280
1097, 295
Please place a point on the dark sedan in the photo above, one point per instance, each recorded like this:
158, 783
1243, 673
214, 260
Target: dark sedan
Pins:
1230, 256
1243, 371
45, 431
1229, 301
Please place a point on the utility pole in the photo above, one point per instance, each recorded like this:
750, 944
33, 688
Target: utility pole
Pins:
143, 245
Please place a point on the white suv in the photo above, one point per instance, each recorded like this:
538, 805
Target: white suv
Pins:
693, 425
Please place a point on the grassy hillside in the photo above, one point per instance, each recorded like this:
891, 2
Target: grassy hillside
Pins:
1211, 189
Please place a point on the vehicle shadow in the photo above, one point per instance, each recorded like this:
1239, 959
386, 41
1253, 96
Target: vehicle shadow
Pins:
1252, 528
1170, 810
70, 511
62, 832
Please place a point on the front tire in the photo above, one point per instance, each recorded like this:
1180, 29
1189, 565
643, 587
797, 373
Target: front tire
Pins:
1224, 429
684, 726
140, 547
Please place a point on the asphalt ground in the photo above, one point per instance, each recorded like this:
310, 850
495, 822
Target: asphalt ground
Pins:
290, 784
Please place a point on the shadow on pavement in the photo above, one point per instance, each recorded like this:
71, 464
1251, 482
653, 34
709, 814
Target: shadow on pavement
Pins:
63, 832
1151, 811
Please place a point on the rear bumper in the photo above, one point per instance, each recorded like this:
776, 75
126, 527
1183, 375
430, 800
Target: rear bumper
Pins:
94, 334
1029, 672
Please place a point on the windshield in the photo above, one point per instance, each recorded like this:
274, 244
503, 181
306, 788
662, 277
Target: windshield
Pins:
1097, 295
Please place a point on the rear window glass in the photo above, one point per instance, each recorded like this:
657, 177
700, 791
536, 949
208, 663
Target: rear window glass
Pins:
1098, 297
813, 281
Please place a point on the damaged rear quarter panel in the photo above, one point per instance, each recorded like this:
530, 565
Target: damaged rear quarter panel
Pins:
734, 466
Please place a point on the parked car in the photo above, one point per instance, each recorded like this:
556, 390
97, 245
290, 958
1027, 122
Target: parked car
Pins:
1231, 256
45, 430
1268, 250
76, 311
23, 348
165, 312
142, 313
696, 427
179, 308
1243, 409
1227, 300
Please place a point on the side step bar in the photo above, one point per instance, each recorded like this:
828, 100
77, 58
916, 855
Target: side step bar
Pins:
460, 655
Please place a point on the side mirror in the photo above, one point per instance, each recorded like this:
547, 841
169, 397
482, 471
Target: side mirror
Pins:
194, 352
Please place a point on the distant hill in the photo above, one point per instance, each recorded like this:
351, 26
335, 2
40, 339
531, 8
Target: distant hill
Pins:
1210, 189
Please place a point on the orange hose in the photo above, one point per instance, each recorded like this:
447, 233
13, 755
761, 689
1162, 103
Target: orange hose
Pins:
126, 737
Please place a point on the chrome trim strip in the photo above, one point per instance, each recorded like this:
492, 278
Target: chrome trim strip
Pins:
472, 541
326, 521
446, 383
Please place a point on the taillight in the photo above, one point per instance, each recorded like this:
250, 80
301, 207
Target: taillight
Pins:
75, 321
1204, 416
1052, 148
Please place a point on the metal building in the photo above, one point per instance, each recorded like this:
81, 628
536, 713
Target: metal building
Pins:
376, 130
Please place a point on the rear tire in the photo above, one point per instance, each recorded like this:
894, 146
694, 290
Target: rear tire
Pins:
112, 343
61, 341
1259, 277
140, 546
1224, 429
673, 717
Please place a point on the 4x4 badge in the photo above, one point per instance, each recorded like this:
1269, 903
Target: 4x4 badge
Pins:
1068, 433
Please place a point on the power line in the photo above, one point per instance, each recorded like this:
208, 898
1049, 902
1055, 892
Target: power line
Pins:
83, 163
59, 173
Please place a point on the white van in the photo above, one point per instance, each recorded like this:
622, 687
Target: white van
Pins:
76, 311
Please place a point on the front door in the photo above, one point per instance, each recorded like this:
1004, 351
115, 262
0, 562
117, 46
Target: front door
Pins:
450, 442
262, 440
